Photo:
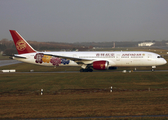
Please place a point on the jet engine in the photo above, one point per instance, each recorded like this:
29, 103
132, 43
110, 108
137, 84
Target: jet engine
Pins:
101, 65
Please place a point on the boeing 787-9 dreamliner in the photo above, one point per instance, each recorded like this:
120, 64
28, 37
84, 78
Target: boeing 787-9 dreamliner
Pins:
98, 60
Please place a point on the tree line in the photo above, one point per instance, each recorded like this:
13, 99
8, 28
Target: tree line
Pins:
8, 47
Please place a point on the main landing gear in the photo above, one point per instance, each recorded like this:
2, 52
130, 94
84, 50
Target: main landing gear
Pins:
86, 70
153, 68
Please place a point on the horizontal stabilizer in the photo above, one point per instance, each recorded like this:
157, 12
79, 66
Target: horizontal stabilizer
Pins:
19, 56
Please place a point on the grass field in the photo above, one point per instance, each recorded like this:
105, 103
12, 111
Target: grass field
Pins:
4, 57
53, 82
84, 105
82, 94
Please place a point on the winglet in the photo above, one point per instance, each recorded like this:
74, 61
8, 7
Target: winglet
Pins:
21, 45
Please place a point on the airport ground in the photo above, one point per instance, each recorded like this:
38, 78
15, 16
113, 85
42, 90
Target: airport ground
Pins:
81, 95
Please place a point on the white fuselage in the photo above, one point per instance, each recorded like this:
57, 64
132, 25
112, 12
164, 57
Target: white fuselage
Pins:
118, 59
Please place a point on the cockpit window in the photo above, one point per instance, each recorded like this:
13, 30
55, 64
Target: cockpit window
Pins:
159, 56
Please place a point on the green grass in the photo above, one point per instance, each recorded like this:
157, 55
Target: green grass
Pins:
4, 57
83, 94
55, 82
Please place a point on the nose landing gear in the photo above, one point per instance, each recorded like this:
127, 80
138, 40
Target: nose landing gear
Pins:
153, 68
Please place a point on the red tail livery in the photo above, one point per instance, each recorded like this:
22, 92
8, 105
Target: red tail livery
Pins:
21, 45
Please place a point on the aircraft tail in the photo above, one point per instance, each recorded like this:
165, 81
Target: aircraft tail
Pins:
21, 45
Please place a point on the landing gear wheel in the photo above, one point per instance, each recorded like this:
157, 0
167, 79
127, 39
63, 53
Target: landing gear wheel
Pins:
86, 70
90, 70
81, 70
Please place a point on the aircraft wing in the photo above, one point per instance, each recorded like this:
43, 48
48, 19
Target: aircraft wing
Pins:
77, 60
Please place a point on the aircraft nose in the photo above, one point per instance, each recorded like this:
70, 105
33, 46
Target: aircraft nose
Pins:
161, 61
164, 61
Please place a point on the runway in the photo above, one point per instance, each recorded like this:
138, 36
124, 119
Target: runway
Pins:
60, 72
8, 62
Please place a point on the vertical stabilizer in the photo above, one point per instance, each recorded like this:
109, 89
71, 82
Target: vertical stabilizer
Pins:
21, 45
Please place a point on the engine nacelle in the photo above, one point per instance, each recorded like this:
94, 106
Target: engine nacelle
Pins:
101, 65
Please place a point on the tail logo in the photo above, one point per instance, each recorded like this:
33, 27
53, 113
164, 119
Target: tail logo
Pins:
21, 45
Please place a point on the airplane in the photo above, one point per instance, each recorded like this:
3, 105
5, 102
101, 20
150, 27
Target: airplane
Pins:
87, 60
